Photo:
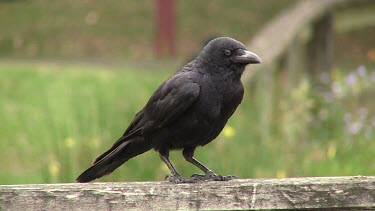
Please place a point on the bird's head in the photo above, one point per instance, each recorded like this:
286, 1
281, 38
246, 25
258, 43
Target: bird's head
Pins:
227, 52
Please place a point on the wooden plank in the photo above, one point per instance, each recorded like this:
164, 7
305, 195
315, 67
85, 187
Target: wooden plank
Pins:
357, 17
276, 37
341, 193
320, 52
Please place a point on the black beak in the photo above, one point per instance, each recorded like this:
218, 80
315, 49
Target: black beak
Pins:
247, 58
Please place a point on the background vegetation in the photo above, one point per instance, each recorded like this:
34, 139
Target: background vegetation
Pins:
72, 76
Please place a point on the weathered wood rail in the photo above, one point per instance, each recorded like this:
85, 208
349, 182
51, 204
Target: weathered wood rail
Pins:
308, 25
320, 193
297, 43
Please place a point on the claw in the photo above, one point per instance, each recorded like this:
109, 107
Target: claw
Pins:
211, 176
177, 179
229, 177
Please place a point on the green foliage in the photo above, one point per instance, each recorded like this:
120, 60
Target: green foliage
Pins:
56, 118
115, 29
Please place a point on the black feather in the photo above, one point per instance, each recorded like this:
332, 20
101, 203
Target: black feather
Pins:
188, 110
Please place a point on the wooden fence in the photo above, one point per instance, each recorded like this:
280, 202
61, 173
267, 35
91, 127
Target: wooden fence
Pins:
324, 193
301, 38
298, 43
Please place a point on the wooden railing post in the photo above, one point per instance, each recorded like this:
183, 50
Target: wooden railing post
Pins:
165, 43
320, 50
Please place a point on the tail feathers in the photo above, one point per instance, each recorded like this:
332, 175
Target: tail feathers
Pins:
120, 141
115, 157
106, 165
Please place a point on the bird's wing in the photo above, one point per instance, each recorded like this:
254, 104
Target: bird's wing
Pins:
170, 101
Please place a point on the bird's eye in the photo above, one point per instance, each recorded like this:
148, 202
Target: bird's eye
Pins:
227, 52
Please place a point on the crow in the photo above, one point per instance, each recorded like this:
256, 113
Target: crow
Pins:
188, 110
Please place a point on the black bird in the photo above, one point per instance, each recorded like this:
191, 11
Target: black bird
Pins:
188, 110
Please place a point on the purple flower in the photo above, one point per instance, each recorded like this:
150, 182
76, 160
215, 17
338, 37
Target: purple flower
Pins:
354, 128
336, 89
361, 71
351, 79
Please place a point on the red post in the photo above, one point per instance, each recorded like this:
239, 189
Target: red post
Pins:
165, 28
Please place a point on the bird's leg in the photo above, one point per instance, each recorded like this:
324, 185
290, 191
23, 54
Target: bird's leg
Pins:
188, 154
175, 177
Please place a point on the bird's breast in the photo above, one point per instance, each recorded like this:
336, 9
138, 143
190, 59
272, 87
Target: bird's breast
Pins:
205, 119
220, 97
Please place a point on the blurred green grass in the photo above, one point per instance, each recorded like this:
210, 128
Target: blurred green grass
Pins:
122, 29
56, 118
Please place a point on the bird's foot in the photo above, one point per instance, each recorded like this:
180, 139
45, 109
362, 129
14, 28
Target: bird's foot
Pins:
211, 176
178, 179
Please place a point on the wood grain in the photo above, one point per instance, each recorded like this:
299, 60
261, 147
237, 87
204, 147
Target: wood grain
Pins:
341, 193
